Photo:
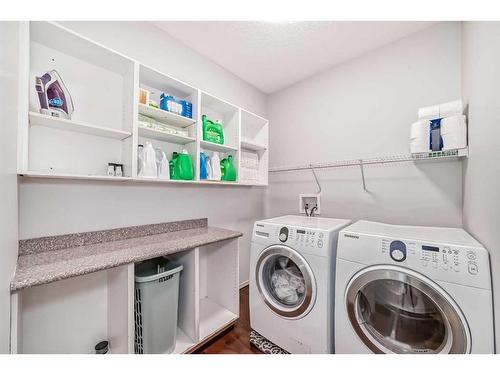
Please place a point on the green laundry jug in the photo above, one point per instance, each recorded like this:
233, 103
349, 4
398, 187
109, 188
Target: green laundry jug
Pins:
212, 131
182, 166
173, 166
228, 171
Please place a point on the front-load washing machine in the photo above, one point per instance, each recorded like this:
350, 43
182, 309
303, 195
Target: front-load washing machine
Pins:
292, 275
402, 289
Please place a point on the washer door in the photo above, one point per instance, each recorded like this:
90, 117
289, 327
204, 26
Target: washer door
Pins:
285, 281
396, 310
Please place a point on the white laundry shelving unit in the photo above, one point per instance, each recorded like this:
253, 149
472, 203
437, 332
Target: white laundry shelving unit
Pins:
104, 128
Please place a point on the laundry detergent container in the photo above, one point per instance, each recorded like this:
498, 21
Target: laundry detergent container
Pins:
156, 305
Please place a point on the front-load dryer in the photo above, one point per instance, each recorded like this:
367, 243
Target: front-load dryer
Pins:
292, 275
402, 289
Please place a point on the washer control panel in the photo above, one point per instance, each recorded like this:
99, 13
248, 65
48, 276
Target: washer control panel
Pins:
307, 238
438, 257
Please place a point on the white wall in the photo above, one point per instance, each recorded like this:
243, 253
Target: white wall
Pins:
364, 108
8, 178
50, 207
481, 87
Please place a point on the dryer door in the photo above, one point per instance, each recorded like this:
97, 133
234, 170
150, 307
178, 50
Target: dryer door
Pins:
396, 310
285, 281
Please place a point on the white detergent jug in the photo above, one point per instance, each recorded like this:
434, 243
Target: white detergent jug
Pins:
149, 159
163, 166
216, 175
208, 166
140, 160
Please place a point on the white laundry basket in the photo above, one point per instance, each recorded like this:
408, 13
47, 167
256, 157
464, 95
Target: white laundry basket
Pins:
156, 305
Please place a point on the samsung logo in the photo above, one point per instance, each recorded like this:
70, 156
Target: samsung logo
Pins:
351, 236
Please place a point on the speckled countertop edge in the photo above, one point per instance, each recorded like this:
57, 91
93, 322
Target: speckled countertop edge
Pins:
48, 266
50, 243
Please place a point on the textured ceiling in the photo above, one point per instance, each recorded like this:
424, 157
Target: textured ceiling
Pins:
274, 55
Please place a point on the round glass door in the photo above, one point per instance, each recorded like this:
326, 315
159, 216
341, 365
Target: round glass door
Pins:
285, 281
395, 310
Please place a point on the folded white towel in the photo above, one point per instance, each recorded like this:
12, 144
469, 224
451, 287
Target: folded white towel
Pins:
454, 132
419, 137
442, 110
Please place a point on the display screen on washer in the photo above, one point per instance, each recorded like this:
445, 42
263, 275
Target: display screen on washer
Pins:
301, 231
262, 234
430, 248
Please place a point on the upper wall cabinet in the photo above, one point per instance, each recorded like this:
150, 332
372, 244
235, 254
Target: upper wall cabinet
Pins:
89, 112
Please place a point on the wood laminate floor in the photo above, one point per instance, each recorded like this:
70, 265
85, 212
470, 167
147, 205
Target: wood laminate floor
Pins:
234, 340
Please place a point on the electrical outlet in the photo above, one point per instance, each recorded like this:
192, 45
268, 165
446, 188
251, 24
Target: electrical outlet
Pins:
311, 200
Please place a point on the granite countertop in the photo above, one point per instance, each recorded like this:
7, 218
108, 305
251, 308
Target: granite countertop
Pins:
48, 259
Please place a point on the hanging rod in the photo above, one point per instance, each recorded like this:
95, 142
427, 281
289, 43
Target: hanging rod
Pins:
435, 155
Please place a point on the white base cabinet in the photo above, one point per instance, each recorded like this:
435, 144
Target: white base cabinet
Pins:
72, 315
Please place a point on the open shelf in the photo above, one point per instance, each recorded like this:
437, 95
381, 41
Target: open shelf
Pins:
217, 147
165, 116
71, 316
249, 144
163, 136
213, 317
76, 126
182, 342
73, 176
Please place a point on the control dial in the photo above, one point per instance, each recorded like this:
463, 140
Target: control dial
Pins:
398, 251
283, 234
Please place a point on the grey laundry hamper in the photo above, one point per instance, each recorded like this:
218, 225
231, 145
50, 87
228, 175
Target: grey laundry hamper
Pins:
156, 306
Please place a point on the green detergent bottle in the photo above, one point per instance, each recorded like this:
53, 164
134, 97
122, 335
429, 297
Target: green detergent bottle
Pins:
173, 166
228, 171
212, 131
181, 166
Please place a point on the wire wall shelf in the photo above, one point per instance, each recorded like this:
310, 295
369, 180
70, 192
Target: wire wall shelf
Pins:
432, 155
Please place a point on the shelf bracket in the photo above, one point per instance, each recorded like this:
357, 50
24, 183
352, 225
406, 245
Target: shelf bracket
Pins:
316, 179
362, 169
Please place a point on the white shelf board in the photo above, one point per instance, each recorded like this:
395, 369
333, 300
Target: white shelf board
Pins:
76, 126
165, 116
217, 147
71, 176
164, 181
213, 317
163, 136
218, 182
249, 144
182, 342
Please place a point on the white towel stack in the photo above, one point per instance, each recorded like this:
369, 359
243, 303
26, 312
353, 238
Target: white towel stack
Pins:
454, 132
453, 127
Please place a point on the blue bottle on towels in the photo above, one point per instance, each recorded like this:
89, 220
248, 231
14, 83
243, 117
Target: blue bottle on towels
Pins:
203, 166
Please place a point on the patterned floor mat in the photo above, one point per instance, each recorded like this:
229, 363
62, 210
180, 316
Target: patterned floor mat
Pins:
264, 345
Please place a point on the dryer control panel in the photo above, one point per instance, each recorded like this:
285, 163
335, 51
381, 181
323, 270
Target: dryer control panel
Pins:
442, 254
447, 258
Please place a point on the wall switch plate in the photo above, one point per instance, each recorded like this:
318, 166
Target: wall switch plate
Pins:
311, 200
